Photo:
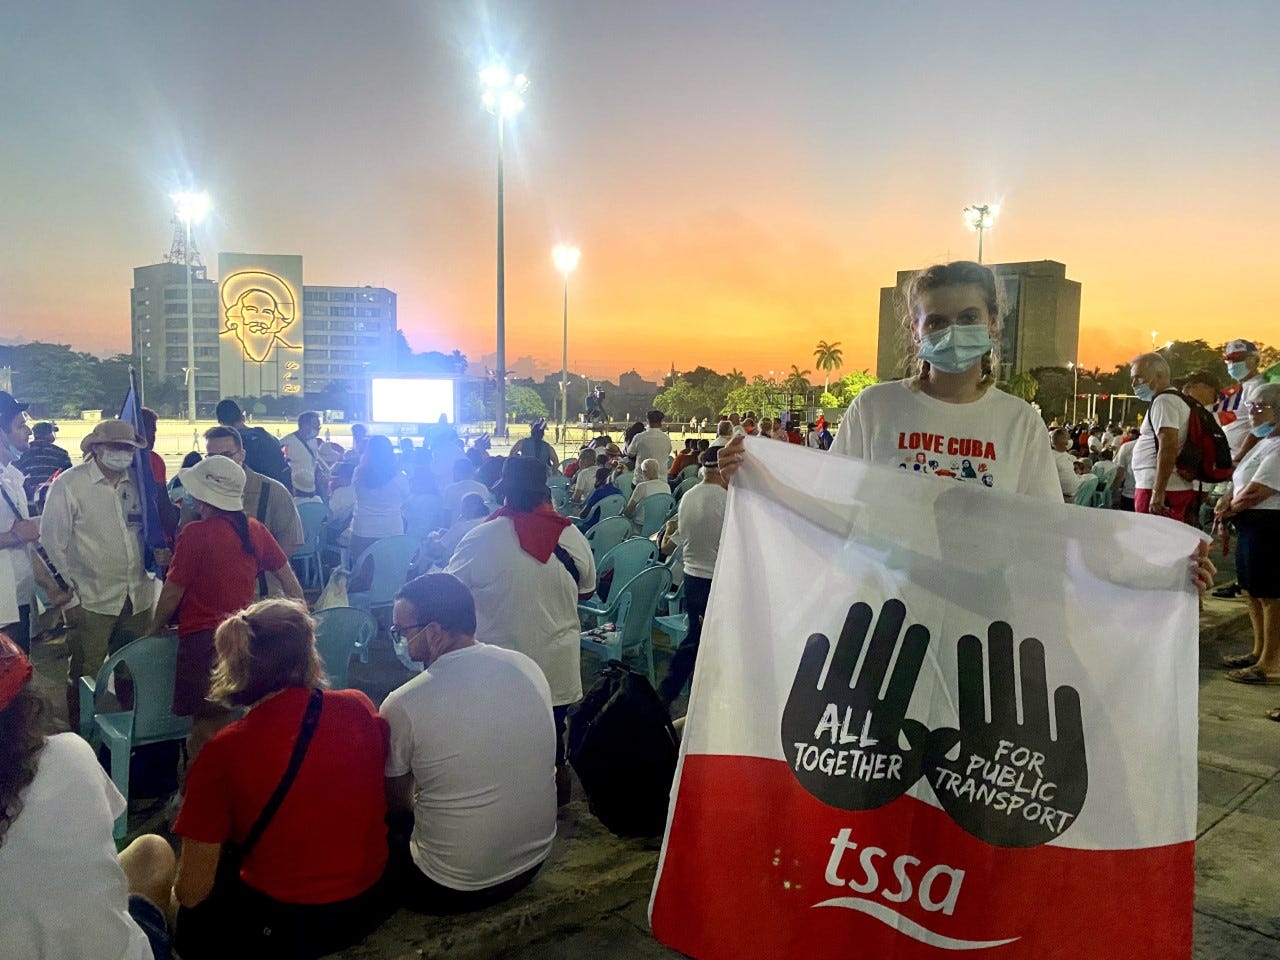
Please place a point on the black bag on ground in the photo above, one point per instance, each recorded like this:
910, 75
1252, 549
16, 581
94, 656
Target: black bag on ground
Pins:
623, 748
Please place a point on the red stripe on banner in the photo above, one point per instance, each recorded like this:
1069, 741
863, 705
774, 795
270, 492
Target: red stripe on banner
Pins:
756, 867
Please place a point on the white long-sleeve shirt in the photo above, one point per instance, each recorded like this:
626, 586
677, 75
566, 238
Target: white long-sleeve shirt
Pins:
92, 531
17, 580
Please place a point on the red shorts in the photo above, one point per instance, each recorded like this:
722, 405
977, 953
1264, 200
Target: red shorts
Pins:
1183, 504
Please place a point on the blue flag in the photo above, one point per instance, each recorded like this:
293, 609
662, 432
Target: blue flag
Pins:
152, 532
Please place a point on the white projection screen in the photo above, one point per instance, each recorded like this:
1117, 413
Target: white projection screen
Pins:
412, 399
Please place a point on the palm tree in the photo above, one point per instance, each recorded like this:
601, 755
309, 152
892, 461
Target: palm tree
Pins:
829, 357
797, 382
735, 378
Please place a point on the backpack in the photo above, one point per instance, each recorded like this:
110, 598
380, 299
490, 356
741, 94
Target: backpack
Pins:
263, 454
1206, 454
623, 748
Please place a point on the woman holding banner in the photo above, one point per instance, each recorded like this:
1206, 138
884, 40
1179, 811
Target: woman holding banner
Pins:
948, 419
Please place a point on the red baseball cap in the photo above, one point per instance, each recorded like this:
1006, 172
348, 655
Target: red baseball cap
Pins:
15, 670
1239, 349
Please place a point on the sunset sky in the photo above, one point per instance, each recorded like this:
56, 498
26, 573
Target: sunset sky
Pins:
742, 176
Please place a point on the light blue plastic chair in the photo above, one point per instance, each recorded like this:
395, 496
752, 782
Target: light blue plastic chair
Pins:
560, 499
1106, 486
558, 480
625, 560
685, 487
606, 535
1084, 493
307, 556
690, 472
653, 512
610, 506
391, 557
340, 633
632, 607
626, 483
152, 661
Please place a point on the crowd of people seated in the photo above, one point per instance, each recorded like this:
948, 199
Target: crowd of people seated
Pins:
450, 786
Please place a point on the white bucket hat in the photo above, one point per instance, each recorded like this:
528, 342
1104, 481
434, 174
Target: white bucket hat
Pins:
217, 481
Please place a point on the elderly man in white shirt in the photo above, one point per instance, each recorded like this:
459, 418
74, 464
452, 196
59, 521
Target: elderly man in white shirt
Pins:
651, 482
1068, 479
307, 469
92, 530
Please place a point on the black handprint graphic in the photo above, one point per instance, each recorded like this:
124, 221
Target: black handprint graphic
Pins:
840, 737
1012, 785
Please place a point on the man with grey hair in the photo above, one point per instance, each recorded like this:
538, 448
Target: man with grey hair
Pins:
724, 433
1068, 478
1159, 489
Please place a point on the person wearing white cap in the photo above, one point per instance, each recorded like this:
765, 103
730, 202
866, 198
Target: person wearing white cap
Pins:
216, 563
92, 530
1244, 366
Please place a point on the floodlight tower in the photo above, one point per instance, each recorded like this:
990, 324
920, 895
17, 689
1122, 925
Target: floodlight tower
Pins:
190, 208
503, 97
980, 217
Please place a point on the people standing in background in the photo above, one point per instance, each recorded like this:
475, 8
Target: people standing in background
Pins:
42, 459
262, 451
381, 489
92, 531
308, 472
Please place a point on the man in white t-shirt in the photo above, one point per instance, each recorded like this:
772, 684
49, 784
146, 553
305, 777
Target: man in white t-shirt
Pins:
1159, 490
654, 443
1244, 365
301, 448
724, 433
1128, 441
1065, 463
700, 522
474, 733
528, 568
584, 481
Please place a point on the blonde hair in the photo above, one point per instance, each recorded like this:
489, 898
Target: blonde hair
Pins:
264, 648
959, 273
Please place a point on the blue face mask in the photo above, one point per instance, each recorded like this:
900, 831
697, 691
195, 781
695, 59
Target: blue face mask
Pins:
1144, 393
957, 348
1238, 369
1263, 430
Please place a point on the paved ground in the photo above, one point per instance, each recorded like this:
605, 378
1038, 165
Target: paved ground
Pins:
590, 899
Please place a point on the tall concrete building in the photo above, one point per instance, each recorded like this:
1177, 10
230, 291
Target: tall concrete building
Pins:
247, 342
1041, 325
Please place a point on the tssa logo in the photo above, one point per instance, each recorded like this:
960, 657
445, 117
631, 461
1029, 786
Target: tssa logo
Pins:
937, 890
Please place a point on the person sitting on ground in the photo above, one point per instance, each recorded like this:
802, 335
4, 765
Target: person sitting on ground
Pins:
264, 498
528, 567
262, 452
311, 884
438, 546
604, 488
536, 447
216, 564
476, 723
42, 459
64, 891
651, 482
584, 481
464, 482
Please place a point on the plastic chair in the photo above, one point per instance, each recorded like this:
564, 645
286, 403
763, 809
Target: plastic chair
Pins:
606, 535
653, 512
153, 662
1084, 493
1102, 498
558, 480
391, 557
422, 513
341, 632
685, 487
307, 556
610, 506
625, 560
625, 483
690, 471
632, 607
560, 499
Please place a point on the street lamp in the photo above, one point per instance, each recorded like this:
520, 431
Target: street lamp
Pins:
1075, 387
980, 217
503, 97
566, 259
191, 209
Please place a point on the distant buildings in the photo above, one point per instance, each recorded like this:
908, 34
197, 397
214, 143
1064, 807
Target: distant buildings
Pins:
254, 335
1041, 326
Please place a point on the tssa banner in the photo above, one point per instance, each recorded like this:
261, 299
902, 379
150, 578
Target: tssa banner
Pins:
932, 719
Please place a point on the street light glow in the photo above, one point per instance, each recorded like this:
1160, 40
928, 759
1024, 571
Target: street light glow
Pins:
503, 94
565, 257
981, 216
191, 207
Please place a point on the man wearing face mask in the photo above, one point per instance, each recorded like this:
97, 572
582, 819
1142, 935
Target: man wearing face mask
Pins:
92, 530
1159, 490
1243, 364
309, 472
